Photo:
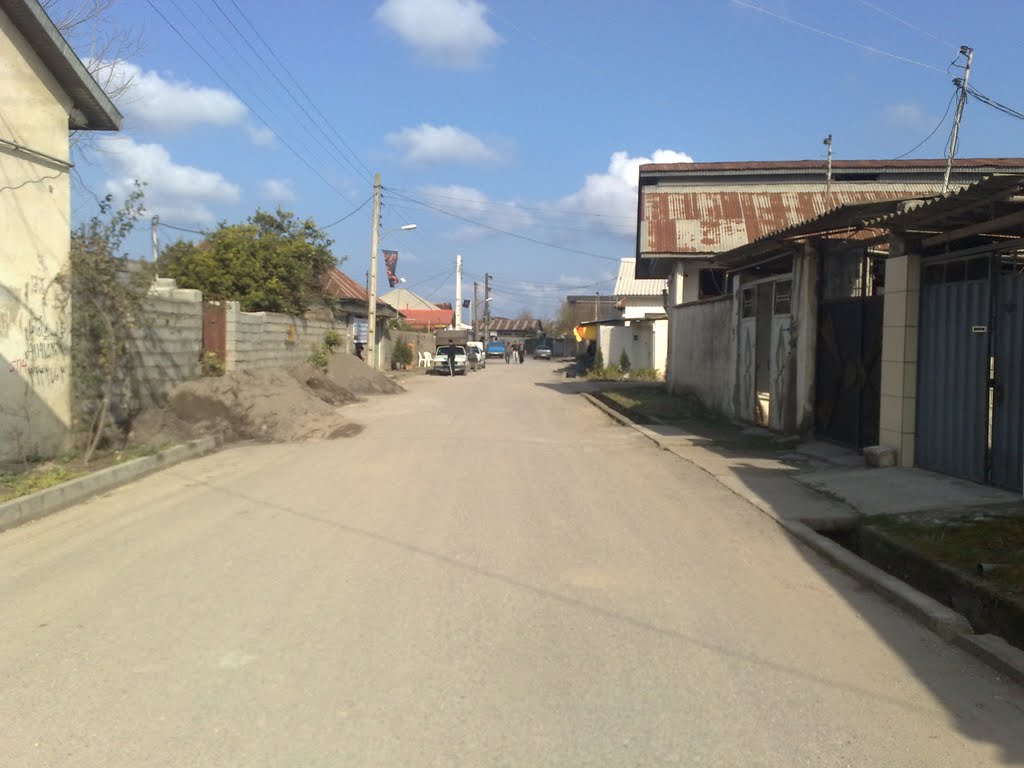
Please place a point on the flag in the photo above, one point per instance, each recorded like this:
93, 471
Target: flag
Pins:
390, 262
465, 303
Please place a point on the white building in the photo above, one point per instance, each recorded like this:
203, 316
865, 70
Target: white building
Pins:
642, 331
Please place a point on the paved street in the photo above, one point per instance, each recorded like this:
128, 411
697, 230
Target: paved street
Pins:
492, 574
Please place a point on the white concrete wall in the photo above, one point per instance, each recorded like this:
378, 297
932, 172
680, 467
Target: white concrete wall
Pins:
703, 358
35, 230
267, 340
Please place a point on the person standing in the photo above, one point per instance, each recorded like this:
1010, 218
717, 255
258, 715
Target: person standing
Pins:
522, 354
508, 353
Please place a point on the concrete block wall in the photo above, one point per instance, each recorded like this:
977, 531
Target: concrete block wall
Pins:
267, 340
169, 342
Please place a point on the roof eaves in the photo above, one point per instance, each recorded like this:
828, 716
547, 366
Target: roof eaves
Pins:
92, 109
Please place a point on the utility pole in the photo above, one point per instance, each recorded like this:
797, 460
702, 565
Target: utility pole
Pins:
597, 299
828, 170
154, 223
371, 331
458, 291
962, 85
476, 300
487, 308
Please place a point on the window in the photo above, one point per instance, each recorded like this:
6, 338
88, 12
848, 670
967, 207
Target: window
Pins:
749, 303
783, 293
713, 282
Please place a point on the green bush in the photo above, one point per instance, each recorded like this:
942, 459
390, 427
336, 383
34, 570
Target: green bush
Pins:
645, 374
598, 360
211, 364
624, 361
402, 353
333, 340
320, 357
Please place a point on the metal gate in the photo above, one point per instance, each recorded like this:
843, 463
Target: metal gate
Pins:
1008, 383
215, 328
953, 368
848, 370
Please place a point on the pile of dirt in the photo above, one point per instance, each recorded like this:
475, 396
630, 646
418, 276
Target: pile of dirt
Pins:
323, 386
353, 374
272, 405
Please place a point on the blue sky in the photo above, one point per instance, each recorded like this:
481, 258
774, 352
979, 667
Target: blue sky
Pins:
528, 116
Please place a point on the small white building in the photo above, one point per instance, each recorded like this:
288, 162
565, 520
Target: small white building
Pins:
642, 332
45, 90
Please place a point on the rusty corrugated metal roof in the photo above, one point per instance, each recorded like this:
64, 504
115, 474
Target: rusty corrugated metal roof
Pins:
684, 220
507, 325
338, 285
769, 167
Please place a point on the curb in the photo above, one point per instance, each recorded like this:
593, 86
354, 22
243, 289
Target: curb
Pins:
951, 626
42, 503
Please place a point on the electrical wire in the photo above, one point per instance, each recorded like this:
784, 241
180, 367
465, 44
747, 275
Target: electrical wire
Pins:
287, 89
505, 232
25, 183
972, 91
872, 6
934, 130
299, 86
179, 229
515, 206
840, 38
219, 76
351, 213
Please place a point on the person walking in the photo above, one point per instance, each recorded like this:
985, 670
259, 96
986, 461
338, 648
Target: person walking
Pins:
522, 354
508, 353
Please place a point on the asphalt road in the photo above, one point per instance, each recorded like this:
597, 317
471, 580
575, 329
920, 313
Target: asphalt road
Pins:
492, 574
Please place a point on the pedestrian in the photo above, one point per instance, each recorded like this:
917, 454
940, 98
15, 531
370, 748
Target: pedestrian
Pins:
522, 354
508, 353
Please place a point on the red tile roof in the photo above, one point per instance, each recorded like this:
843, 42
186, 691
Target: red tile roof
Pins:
428, 318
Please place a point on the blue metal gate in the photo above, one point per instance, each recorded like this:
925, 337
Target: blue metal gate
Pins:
952, 374
1008, 383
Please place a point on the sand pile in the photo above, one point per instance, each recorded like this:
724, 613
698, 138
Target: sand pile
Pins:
350, 372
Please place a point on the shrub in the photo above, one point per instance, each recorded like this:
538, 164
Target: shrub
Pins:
320, 357
598, 360
624, 361
211, 364
333, 340
402, 353
645, 374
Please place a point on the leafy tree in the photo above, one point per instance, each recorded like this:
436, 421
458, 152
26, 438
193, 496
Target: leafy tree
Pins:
273, 262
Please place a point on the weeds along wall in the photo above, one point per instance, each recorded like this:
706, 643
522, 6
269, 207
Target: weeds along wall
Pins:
267, 340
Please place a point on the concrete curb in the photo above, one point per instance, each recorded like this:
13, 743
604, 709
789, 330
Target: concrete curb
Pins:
36, 505
945, 622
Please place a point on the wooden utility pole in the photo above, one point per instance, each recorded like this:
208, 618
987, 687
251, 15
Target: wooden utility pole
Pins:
476, 299
487, 308
371, 331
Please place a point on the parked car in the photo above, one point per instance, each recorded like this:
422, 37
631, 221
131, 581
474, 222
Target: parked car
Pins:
459, 361
496, 349
542, 352
480, 353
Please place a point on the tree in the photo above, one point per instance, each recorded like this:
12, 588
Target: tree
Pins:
106, 292
271, 263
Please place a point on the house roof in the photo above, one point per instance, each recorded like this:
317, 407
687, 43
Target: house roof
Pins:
428, 318
507, 325
92, 109
992, 206
339, 286
628, 284
703, 209
403, 299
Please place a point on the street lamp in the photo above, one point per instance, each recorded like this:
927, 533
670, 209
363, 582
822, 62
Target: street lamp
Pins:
371, 331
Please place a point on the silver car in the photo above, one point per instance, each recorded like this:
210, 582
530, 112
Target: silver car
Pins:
542, 352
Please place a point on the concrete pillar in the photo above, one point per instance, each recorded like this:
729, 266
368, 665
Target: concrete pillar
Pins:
804, 329
897, 418
675, 284
231, 332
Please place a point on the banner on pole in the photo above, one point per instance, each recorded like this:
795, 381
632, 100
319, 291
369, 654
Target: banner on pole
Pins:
390, 263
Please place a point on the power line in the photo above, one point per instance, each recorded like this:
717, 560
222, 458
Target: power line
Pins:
945, 44
351, 213
846, 40
179, 229
516, 206
248, 106
299, 86
934, 130
994, 104
505, 232
284, 87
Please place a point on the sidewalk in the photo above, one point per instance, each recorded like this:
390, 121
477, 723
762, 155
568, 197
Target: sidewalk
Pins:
818, 487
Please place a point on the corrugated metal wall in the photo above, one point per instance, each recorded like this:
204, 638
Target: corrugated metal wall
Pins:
1008, 409
952, 397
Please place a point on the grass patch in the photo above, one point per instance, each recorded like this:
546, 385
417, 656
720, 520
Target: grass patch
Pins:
654, 405
962, 543
23, 479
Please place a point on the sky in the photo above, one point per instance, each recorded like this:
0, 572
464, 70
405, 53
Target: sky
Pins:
510, 131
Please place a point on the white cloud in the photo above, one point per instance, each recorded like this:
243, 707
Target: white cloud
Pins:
160, 103
473, 204
178, 192
278, 190
260, 135
613, 194
452, 33
432, 144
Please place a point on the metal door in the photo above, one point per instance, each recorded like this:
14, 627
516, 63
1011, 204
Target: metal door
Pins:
952, 377
848, 375
1008, 394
